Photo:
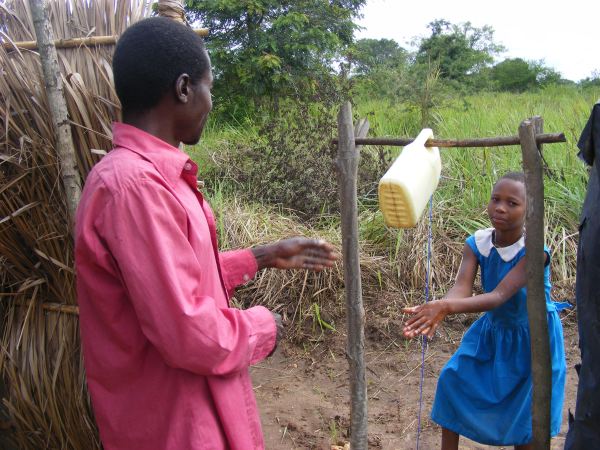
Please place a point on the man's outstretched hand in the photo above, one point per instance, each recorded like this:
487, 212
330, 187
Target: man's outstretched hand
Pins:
279, 326
296, 253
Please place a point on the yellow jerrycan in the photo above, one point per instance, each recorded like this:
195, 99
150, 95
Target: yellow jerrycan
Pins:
407, 185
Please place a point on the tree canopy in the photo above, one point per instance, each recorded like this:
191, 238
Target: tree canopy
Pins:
514, 75
460, 51
264, 49
369, 55
518, 75
592, 80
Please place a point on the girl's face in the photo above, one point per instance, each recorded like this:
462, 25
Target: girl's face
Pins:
507, 205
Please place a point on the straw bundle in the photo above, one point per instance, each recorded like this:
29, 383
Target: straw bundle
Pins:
40, 361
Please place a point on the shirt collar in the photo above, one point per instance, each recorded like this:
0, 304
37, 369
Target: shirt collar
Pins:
169, 161
483, 241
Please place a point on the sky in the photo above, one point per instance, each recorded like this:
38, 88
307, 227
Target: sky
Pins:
565, 34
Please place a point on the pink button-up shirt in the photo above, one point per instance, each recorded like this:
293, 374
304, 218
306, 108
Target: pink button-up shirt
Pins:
166, 358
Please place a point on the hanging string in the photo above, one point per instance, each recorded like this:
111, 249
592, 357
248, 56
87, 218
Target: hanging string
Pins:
423, 337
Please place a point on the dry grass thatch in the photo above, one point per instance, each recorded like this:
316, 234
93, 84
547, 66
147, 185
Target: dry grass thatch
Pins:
309, 299
300, 296
40, 359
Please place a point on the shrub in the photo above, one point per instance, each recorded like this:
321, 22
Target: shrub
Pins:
291, 163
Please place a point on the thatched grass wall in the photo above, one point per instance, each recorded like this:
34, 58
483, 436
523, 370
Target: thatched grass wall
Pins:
40, 363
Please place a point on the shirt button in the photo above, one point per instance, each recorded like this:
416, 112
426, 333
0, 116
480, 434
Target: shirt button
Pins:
246, 277
188, 166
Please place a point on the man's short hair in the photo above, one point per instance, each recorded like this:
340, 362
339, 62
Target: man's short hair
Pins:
149, 57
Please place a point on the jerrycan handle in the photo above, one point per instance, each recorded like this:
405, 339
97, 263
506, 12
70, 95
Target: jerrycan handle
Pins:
424, 135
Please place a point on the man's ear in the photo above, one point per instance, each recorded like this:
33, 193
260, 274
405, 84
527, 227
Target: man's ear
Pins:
182, 87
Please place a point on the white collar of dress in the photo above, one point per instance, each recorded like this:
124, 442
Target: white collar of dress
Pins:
484, 243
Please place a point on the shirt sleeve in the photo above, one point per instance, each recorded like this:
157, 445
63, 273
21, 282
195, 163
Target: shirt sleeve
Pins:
237, 267
145, 228
470, 241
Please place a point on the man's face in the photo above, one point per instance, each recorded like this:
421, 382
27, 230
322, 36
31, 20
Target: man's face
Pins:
199, 107
195, 112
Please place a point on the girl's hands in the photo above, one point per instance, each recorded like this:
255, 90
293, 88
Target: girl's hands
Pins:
296, 253
426, 318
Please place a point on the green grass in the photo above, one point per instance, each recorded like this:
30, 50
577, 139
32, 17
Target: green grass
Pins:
218, 138
467, 174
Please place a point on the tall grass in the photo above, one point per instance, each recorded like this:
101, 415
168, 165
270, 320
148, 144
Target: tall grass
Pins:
467, 176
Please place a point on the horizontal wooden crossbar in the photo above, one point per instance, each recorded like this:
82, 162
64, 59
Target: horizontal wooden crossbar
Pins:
498, 141
78, 42
54, 307
61, 308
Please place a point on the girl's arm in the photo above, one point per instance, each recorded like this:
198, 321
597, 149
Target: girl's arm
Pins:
433, 313
427, 317
465, 278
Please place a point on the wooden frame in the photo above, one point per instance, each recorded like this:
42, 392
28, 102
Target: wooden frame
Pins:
530, 138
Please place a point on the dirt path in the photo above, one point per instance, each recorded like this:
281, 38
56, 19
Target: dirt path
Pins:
303, 393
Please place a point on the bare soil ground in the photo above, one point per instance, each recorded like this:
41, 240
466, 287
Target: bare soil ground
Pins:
303, 390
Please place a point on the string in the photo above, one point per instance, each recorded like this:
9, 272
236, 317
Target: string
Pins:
423, 337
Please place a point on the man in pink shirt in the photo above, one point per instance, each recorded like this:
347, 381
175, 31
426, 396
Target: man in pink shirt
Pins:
166, 357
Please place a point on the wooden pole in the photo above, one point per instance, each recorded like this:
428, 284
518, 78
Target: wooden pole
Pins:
536, 298
347, 169
53, 307
57, 105
477, 142
78, 42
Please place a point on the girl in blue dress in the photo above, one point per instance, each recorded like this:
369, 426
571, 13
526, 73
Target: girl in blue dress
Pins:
484, 391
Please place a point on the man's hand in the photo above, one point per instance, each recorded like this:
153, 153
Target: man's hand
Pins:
296, 253
279, 325
426, 318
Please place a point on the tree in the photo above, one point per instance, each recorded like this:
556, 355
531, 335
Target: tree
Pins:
367, 56
518, 75
460, 51
592, 80
378, 68
266, 49
545, 75
514, 75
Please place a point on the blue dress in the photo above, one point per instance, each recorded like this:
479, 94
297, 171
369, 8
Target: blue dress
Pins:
484, 391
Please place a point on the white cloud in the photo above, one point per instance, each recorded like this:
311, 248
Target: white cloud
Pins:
564, 34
